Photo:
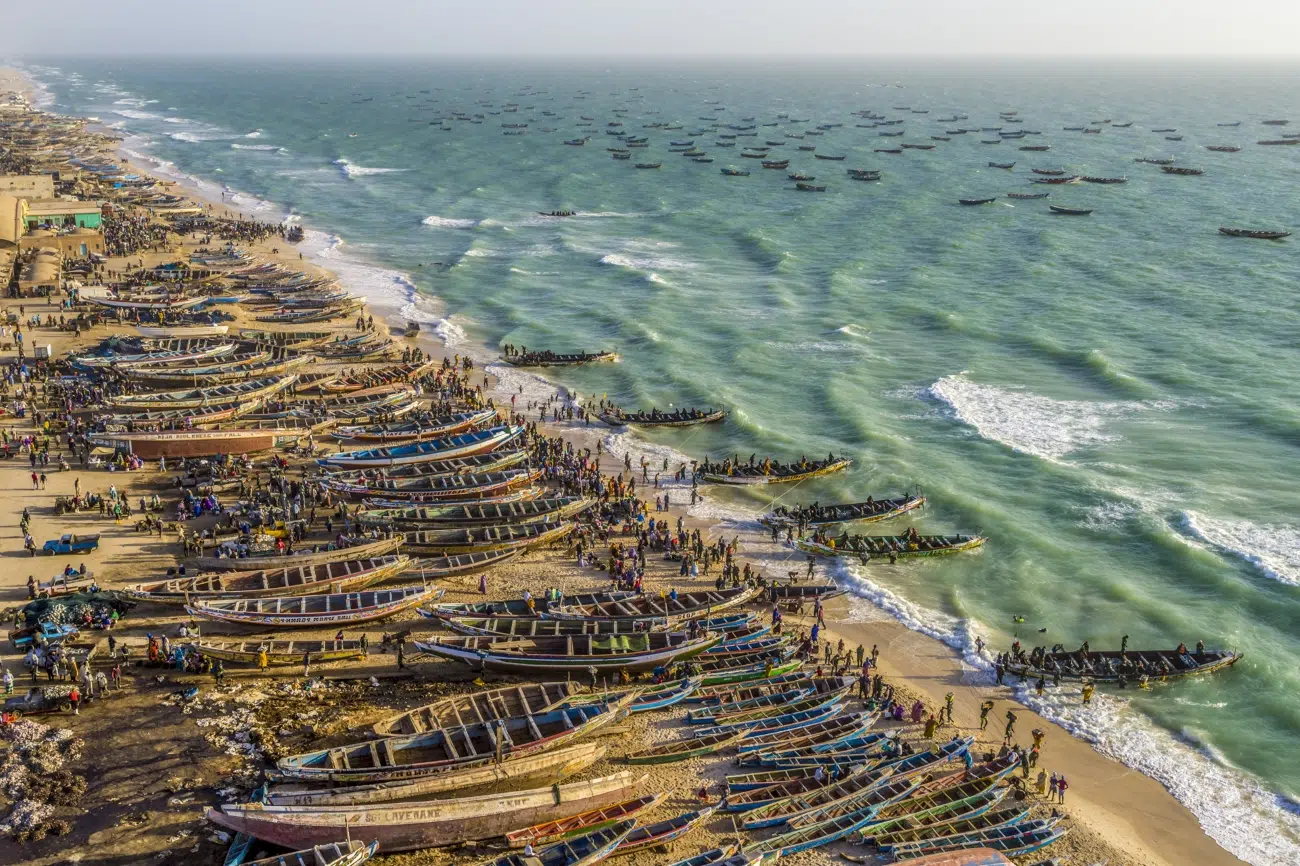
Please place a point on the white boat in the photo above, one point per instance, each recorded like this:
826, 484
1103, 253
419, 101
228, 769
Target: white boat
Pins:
182, 331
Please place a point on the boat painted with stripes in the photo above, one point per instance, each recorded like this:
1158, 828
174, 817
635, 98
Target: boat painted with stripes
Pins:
365, 550
314, 611
344, 576
463, 445
574, 653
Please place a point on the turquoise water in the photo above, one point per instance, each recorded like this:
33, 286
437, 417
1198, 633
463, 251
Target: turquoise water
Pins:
1111, 399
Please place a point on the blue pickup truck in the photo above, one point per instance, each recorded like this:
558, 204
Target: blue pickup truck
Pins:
70, 544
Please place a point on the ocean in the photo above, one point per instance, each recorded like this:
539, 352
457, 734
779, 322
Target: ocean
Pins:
1111, 399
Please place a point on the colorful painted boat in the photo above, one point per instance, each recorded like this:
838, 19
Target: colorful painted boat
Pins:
464, 445
280, 652
416, 431
314, 611
664, 696
423, 823
350, 853
748, 673
573, 653
1133, 665
344, 576
460, 516
596, 819
856, 512
663, 832
668, 607
477, 707
196, 398
685, 749
793, 472
455, 486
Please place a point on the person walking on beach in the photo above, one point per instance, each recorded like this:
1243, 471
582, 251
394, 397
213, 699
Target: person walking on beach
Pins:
947, 707
262, 659
306, 665
1011, 726
859, 654
74, 697
1041, 783
1088, 689
1052, 786
1061, 785
985, 708
931, 724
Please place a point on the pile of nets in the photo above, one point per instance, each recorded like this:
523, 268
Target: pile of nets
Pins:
73, 608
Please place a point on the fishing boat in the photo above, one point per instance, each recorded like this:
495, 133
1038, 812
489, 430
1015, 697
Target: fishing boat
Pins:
634, 653
1048, 172
424, 823
862, 174
891, 546
197, 398
808, 838
478, 707
183, 331
352, 853
463, 445
664, 696
1223, 148
342, 576
416, 431
649, 165
894, 150
733, 672
586, 822
552, 359
518, 607
447, 488
970, 201
509, 510
1035, 147
280, 652
775, 163
314, 611
1013, 839
735, 172
465, 563
674, 606
1103, 180
1258, 234
809, 187
1174, 169
485, 539
663, 832
187, 443
1110, 666
773, 473
918, 831
366, 550
220, 373
745, 691
1152, 161
1027, 195
828, 157
1056, 181
655, 418
374, 377
685, 749
1069, 211
447, 749
1006, 165
149, 303
577, 850
531, 627
918, 146
1278, 141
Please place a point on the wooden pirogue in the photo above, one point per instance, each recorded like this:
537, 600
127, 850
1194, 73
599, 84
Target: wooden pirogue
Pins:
428, 823
531, 627
311, 611
552, 359
216, 374
443, 750
493, 461
280, 652
663, 832
775, 473
685, 749
457, 487
518, 607
377, 376
534, 768
194, 398
188, 443
896, 546
1132, 665
472, 514
462, 563
596, 819
346, 576
340, 554
655, 418
417, 431
352, 853
486, 538
572, 653
485, 706
463, 445
685, 604
857, 512
573, 850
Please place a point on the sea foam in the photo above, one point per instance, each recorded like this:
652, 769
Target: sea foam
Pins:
1273, 549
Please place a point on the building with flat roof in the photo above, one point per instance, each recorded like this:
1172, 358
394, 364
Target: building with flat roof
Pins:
63, 212
31, 186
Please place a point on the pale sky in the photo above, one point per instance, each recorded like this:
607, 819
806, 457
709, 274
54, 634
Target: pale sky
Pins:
645, 28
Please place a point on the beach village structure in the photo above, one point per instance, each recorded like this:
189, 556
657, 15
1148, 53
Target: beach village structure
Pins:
338, 597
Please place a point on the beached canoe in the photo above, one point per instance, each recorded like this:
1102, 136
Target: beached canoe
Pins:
197, 398
374, 377
483, 706
183, 331
346, 576
535, 768
518, 607
442, 750
252, 367
416, 431
856, 512
434, 567
685, 749
531, 627
682, 606
486, 538
808, 783
453, 487
459, 516
463, 445
351, 853
922, 830
663, 832
664, 696
424, 823
890, 546
187, 443
581, 850
1133, 665
365, 550
743, 692
384, 477
1011, 839
280, 652
596, 819
781, 698
314, 611
608, 654
746, 673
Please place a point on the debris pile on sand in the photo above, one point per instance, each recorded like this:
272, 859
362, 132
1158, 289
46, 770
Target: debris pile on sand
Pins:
35, 779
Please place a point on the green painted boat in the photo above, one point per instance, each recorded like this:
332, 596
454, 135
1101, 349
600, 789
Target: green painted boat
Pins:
681, 750
751, 672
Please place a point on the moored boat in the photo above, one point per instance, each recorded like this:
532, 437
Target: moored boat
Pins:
1258, 234
890, 546
1069, 211
770, 472
1134, 665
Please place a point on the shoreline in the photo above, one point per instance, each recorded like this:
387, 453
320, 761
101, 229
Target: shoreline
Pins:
1171, 832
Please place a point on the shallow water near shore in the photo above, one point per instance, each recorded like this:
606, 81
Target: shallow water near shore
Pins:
1111, 399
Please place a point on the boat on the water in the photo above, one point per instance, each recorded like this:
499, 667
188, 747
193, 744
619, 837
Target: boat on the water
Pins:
655, 418
971, 201
770, 472
857, 512
1132, 665
1258, 234
314, 611
889, 546
424, 823
1223, 148
1069, 211
1175, 169
553, 359
1027, 195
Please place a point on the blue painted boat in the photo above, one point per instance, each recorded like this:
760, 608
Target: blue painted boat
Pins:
707, 715
664, 697
828, 730
576, 851
710, 857
776, 724
743, 690
749, 644
464, 445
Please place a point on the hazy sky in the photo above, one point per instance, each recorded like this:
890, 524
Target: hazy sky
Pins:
610, 28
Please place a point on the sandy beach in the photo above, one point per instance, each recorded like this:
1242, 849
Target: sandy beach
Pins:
153, 761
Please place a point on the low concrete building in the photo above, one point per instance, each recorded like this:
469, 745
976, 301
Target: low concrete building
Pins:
77, 243
63, 212
12, 212
29, 186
